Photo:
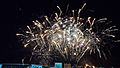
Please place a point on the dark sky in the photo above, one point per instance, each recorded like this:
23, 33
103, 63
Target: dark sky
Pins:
26, 11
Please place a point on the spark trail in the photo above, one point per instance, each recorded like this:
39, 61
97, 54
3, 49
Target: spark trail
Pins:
67, 37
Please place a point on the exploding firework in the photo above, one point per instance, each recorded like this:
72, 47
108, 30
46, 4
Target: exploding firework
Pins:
67, 38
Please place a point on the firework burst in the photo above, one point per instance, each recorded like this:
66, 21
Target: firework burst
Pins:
67, 38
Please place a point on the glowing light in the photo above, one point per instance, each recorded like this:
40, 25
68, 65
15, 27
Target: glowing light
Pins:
93, 66
87, 65
68, 38
74, 53
19, 34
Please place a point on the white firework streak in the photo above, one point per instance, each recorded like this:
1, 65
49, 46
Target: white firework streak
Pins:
67, 38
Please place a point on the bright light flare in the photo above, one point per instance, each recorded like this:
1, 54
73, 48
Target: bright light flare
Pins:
68, 38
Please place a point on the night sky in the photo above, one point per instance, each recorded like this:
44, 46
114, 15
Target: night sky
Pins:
11, 50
